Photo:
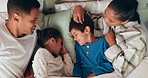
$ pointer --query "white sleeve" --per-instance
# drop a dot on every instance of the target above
(96, 7)
(40, 65)
(129, 52)
(68, 65)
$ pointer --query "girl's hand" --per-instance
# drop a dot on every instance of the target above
(64, 50)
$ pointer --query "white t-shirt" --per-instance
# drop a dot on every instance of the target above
(15, 53)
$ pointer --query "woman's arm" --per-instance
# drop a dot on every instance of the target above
(128, 51)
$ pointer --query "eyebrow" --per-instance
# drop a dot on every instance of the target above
(107, 17)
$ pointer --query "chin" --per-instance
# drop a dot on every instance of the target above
(31, 32)
(81, 44)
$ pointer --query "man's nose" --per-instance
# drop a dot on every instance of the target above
(36, 23)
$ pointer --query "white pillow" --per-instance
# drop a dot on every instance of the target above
(3, 16)
(3, 5)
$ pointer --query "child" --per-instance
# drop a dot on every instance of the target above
(90, 58)
(52, 59)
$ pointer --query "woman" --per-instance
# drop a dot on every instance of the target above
(128, 45)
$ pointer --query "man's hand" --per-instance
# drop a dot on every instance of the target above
(78, 14)
(110, 38)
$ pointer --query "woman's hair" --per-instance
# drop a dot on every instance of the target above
(125, 9)
(87, 22)
(46, 34)
(21, 6)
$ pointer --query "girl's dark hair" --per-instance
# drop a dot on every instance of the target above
(125, 9)
(21, 6)
(87, 22)
(45, 34)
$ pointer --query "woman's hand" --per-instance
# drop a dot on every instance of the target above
(110, 38)
(78, 14)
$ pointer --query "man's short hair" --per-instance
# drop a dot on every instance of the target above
(21, 6)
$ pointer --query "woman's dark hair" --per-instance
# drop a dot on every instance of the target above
(125, 9)
(45, 34)
(21, 6)
(87, 22)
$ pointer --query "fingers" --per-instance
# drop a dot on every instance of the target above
(79, 18)
(78, 15)
(64, 50)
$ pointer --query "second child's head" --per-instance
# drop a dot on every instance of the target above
(82, 32)
(50, 39)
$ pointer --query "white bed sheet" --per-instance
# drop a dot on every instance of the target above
(3, 5)
(3, 16)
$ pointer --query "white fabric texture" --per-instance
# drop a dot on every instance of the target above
(3, 5)
(14, 53)
(3, 17)
(98, 5)
(45, 65)
(131, 40)
(41, 4)
(141, 70)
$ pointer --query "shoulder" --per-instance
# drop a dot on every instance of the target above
(42, 52)
(101, 39)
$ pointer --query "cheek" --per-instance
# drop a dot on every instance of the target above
(82, 40)
(107, 22)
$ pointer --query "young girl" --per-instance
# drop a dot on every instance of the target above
(52, 59)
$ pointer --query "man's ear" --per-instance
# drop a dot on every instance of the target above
(16, 17)
(87, 29)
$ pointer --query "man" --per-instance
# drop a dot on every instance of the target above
(18, 37)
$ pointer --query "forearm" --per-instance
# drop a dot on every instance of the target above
(68, 65)
(125, 57)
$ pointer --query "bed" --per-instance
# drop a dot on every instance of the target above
(51, 6)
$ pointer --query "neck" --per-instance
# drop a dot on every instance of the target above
(91, 39)
(13, 29)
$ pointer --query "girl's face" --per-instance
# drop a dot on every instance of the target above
(111, 19)
(55, 47)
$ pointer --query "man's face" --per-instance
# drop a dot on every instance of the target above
(80, 37)
(29, 22)
(110, 18)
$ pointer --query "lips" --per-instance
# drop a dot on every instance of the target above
(33, 28)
